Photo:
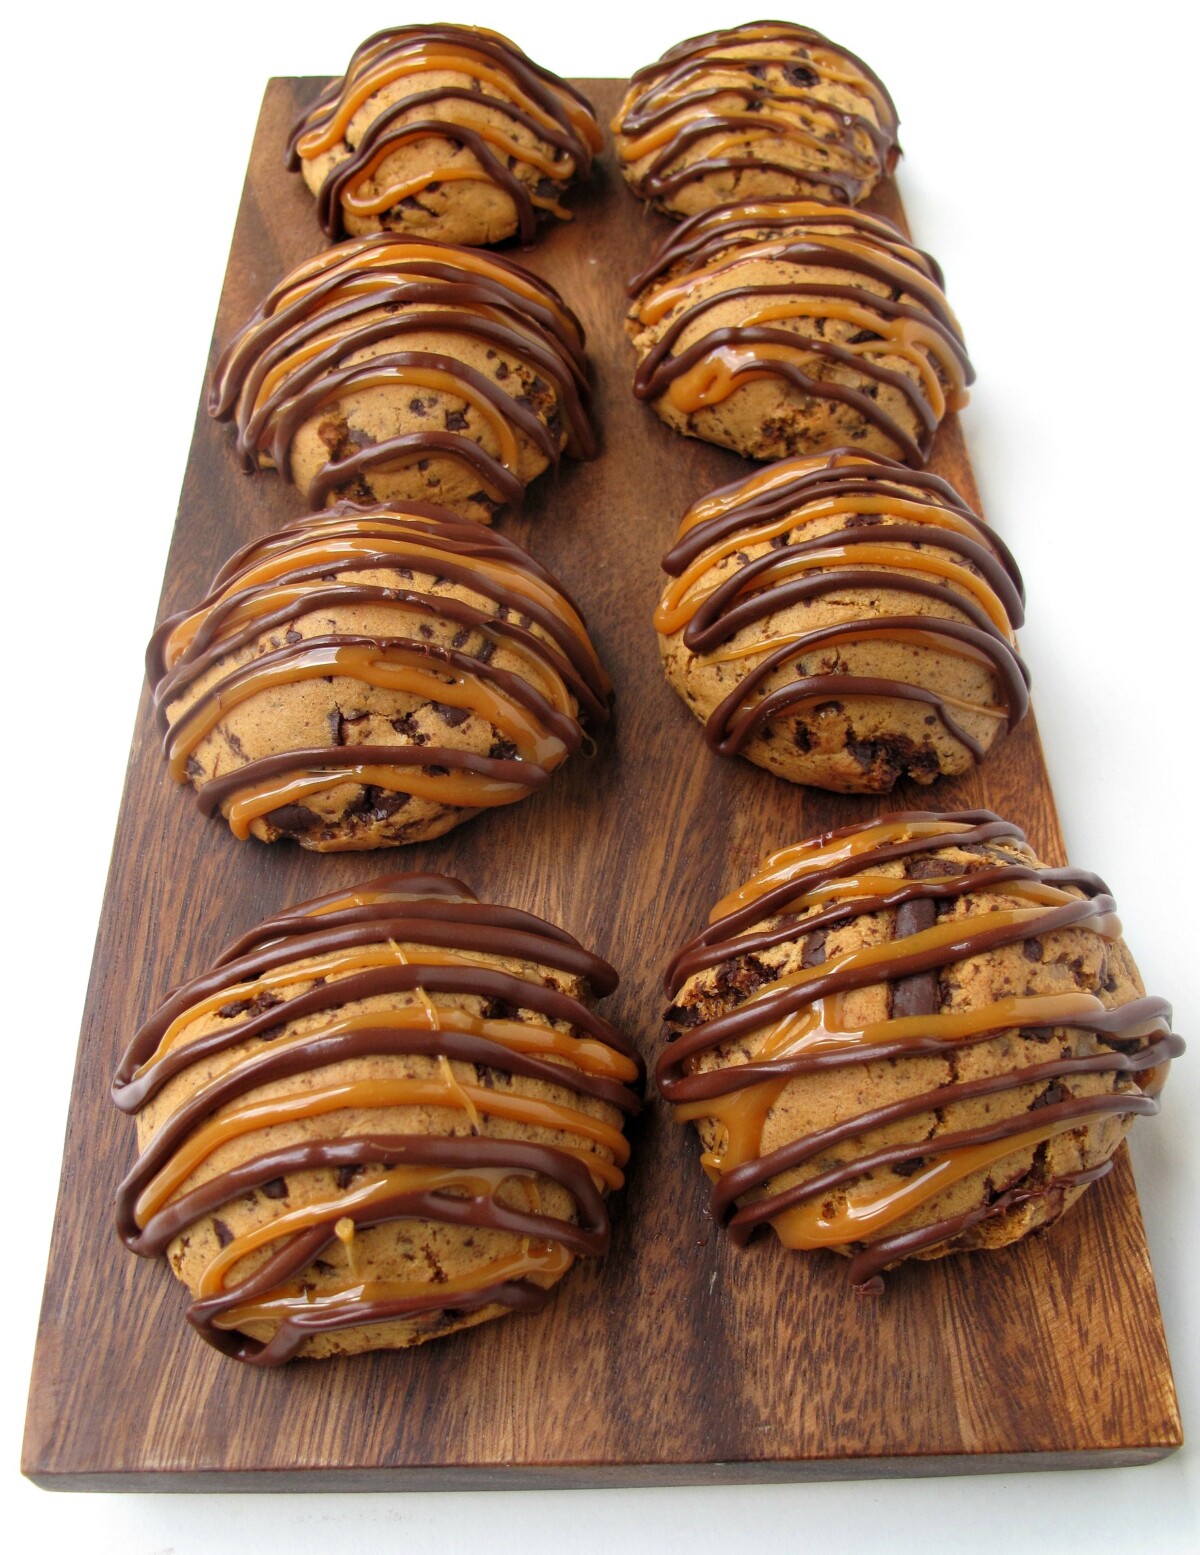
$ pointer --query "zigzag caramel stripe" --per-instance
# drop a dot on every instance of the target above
(294, 357)
(886, 523)
(332, 561)
(290, 985)
(683, 102)
(796, 1026)
(802, 240)
(505, 82)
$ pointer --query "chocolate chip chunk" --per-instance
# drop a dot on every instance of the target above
(407, 725)
(345, 1175)
(455, 421)
(801, 75)
(224, 1234)
(453, 716)
(292, 819)
(265, 1000)
(276, 1188)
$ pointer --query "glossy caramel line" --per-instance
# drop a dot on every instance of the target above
(797, 1023)
(285, 997)
(198, 659)
(505, 82)
(667, 111)
(299, 350)
(876, 534)
(780, 274)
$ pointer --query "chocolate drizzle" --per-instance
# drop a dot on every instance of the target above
(301, 354)
(794, 1025)
(501, 83)
(916, 538)
(766, 108)
(432, 949)
(245, 639)
(836, 304)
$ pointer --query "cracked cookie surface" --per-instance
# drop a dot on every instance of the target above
(388, 1113)
(372, 677)
(910, 1038)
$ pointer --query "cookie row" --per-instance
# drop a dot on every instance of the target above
(393, 1111)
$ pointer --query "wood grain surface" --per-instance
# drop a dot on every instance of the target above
(679, 1359)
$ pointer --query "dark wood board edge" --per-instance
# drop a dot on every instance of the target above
(596, 1476)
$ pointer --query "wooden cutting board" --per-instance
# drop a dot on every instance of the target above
(679, 1359)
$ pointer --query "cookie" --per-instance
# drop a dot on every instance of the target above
(910, 1038)
(765, 111)
(384, 1115)
(794, 327)
(369, 677)
(844, 621)
(389, 370)
(443, 132)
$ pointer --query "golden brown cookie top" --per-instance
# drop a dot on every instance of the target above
(431, 82)
(473, 626)
(811, 282)
(401, 967)
(766, 98)
(858, 956)
(841, 524)
(317, 335)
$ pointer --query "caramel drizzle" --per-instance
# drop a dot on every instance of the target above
(842, 152)
(296, 355)
(289, 984)
(504, 80)
(888, 521)
(921, 330)
(318, 563)
(796, 1024)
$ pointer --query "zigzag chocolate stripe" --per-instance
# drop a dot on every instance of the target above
(406, 935)
(522, 92)
(797, 1026)
(837, 149)
(317, 564)
(800, 240)
(293, 357)
(882, 513)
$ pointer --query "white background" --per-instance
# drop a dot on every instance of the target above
(1051, 166)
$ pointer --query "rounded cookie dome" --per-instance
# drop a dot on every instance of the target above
(768, 110)
(795, 326)
(443, 132)
(370, 677)
(844, 621)
(391, 370)
(386, 1114)
(910, 1038)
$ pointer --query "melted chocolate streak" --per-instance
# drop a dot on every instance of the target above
(700, 57)
(550, 93)
(446, 292)
(409, 908)
(457, 544)
(1133, 1051)
(736, 604)
(659, 368)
